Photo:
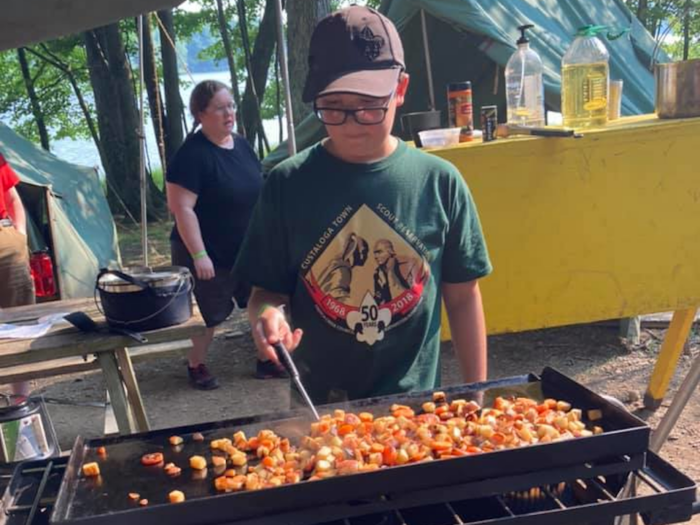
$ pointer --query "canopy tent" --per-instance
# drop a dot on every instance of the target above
(47, 19)
(473, 40)
(67, 212)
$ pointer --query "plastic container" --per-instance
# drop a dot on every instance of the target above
(524, 85)
(585, 79)
(438, 138)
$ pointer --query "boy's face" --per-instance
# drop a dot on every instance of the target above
(353, 137)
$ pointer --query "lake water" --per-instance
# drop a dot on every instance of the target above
(84, 152)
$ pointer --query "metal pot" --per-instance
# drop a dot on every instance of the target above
(155, 278)
(142, 299)
(678, 89)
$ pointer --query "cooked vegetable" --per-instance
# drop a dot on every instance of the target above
(218, 461)
(176, 496)
(134, 496)
(198, 463)
(197, 437)
(91, 470)
(101, 451)
(175, 440)
(143, 502)
(154, 458)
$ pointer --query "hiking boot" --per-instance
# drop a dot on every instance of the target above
(268, 370)
(201, 379)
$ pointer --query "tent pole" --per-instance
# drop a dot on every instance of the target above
(428, 67)
(291, 138)
(142, 160)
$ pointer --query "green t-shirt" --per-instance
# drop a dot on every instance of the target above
(361, 250)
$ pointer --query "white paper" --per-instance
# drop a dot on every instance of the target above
(31, 331)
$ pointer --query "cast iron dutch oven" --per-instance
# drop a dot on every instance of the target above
(143, 299)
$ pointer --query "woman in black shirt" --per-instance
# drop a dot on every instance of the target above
(213, 183)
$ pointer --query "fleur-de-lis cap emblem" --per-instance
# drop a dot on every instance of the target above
(370, 44)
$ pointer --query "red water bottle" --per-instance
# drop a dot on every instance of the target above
(42, 272)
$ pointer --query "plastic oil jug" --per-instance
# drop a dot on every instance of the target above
(585, 80)
(524, 85)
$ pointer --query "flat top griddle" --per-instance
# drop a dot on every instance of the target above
(104, 500)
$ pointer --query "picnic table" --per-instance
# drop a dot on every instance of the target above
(110, 350)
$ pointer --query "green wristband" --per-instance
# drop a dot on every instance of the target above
(199, 255)
(265, 306)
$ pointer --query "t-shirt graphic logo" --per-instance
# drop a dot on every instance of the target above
(363, 276)
(370, 322)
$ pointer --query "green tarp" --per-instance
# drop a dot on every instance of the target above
(68, 213)
(473, 40)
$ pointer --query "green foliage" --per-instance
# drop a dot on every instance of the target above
(62, 113)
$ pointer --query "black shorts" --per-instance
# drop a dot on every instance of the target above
(215, 297)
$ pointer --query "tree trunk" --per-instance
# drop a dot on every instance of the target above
(33, 99)
(642, 12)
(687, 15)
(117, 118)
(301, 20)
(155, 100)
(223, 29)
(258, 69)
(323, 8)
(171, 85)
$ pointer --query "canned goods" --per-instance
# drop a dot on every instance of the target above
(459, 103)
(489, 122)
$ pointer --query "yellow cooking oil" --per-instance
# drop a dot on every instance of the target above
(584, 95)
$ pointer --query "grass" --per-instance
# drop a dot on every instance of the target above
(158, 243)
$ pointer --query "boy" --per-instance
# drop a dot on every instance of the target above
(361, 182)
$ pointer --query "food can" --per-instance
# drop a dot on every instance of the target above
(459, 103)
(489, 122)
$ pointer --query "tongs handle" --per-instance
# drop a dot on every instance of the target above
(286, 360)
(290, 367)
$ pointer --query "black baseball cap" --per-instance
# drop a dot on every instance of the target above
(354, 50)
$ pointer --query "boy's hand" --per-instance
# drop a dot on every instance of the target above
(272, 327)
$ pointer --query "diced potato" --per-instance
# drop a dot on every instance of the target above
(218, 461)
(91, 470)
(597, 430)
(239, 459)
(564, 406)
(197, 436)
(198, 463)
(176, 496)
(175, 440)
(143, 502)
(595, 414)
(322, 465)
(133, 496)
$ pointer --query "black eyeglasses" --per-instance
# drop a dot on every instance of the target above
(363, 116)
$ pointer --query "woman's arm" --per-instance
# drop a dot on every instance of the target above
(181, 203)
(15, 209)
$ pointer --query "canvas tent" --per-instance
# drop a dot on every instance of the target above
(67, 212)
(473, 40)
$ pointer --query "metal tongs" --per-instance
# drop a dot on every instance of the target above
(290, 367)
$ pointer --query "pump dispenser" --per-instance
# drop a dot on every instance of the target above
(524, 85)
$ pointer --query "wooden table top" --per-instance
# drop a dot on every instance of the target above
(65, 340)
